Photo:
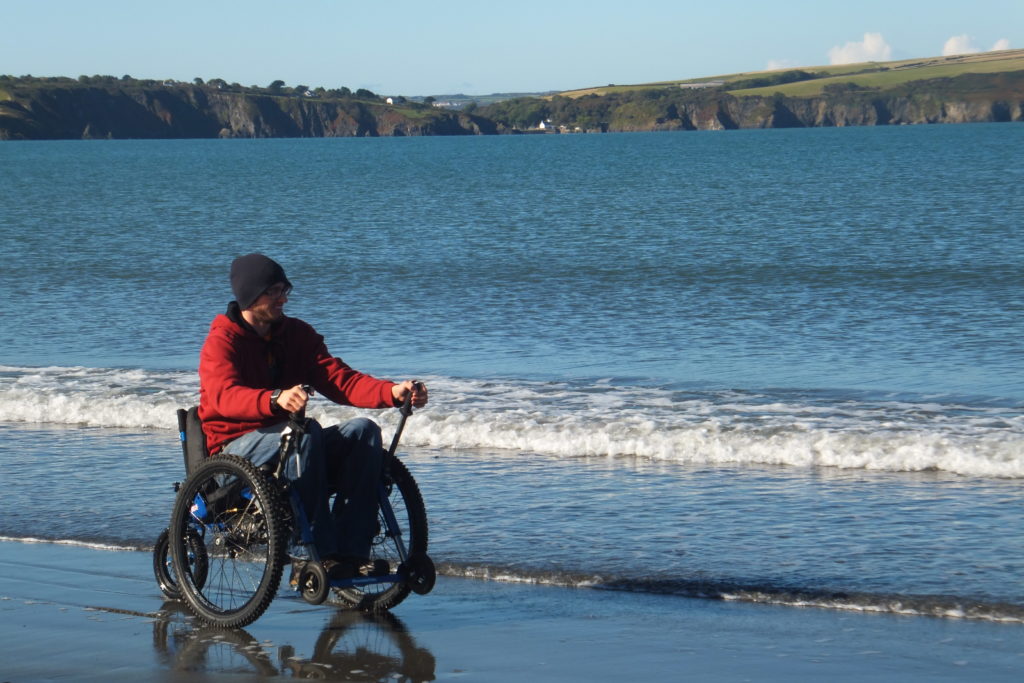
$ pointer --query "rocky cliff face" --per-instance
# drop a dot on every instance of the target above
(193, 112)
(183, 111)
(900, 111)
(727, 112)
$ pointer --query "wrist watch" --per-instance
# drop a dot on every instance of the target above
(273, 399)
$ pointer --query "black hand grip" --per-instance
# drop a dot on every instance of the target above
(406, 408)
(406, 411)
(298, 418)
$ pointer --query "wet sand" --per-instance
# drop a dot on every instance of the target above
(69, 613)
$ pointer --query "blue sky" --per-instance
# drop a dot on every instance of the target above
(421, 48)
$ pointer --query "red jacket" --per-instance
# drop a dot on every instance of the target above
(238, 371)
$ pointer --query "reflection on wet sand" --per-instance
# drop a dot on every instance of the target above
(354, 646)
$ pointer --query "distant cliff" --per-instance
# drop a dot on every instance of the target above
(848, 109)
(964, 99)
(38, 109)
(726, 112)
(105, 107)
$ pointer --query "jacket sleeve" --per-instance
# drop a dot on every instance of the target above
(224, 392)
(341, 384)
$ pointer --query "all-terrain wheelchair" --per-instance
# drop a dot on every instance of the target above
(227, 544)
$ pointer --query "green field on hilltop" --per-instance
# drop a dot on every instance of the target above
(891, 77)
(812, 80)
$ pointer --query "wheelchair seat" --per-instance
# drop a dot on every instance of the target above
(193, 441)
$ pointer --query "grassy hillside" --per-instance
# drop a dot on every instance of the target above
(957, 89)
(814, 79)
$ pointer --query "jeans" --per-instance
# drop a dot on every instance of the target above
(346, 459)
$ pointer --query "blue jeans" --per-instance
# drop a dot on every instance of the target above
(346, 459)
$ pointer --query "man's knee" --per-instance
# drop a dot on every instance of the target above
(362, 430)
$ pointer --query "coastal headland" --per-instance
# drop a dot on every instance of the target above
(987, 87)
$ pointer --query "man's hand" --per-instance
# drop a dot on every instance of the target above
(293, 400)
(418, 389)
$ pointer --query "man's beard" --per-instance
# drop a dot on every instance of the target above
(268, 315)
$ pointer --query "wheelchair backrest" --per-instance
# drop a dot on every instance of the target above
(193, 441)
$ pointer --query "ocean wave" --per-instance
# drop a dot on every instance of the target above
(95, 397)
(595, 419)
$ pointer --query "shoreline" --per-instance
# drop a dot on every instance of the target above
(925, 606)
(80, 614)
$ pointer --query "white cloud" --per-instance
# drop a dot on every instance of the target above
(872, 49)
(776, 64)
(961, 45)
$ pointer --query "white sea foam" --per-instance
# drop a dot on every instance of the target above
(587, 419)
(67, 541)
(99, 397)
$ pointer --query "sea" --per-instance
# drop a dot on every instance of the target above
(773, 366)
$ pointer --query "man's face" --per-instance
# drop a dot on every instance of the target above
(269, 307)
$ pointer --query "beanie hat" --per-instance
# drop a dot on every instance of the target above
(253, 274)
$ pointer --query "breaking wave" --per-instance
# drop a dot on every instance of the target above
(977, 437)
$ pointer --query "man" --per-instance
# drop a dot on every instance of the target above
(251, 371)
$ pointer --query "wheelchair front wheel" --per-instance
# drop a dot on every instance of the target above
(236, 513)
(313, 583)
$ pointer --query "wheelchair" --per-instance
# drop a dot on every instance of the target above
(226, 547)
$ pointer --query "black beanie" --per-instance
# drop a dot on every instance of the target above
(253, 274)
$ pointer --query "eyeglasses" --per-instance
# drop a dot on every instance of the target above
(278, 291)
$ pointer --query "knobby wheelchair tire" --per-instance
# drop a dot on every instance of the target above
(164, 570)
(243, 530)
(411, 513)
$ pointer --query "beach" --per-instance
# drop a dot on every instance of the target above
(82, 614)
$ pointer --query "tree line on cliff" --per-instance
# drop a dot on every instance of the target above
(109, 107)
